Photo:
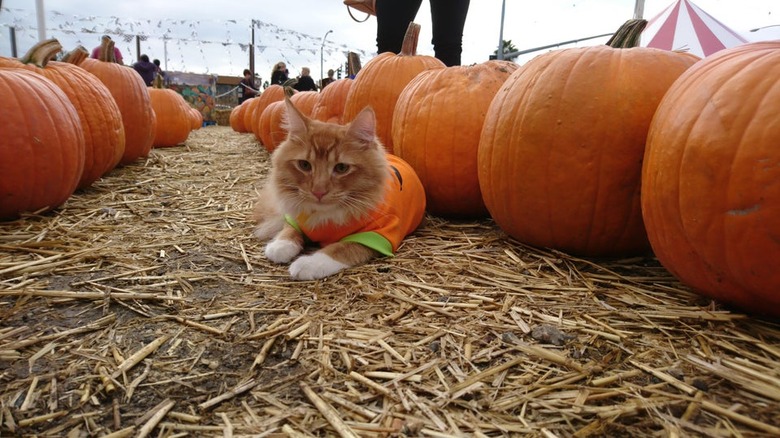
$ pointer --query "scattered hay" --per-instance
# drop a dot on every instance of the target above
(144, 307)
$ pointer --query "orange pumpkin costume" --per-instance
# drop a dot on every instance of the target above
(385, 227)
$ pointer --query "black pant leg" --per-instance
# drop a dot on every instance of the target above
(449, 18)
(392, 19)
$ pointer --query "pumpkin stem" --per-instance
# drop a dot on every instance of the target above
(158, 81)
(628, 34)
(41, 53)
(409, 46)
(76, 55)
(106, 53)
(288, 86)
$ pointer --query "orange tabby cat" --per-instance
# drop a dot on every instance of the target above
(336, 186)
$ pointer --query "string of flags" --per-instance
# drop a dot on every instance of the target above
(198, 46)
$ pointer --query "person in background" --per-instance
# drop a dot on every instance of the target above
(448, 19)
(160, 71)
(305, 82)
(146, 69)
(117, 53)
(329, 79)
(246, 88)
(279, 74)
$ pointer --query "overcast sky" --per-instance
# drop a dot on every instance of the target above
(213, 36)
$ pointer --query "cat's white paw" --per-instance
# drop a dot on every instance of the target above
(315, 266)
(282, 250)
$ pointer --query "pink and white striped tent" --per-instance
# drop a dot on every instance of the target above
(685, 26)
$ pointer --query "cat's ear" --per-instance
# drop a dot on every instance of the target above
(363, 127)
(295, 122)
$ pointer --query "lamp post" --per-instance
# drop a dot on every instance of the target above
(500, 51)
(322, 47)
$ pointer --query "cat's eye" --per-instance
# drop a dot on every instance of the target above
(341, 168)
(304, 165)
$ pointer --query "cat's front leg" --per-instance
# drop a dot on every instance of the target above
(285, 246)
(330, 260)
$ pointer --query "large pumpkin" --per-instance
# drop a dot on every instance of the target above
(132, 98)
(381, 81)
(42, 146)
(330, 106)
(270, 131)
(438, 135)
(100, 119)
(273, 93)
(174, 117)
(711, 178)
(237, 117)
(560, 154)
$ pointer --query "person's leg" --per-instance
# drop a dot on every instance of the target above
(449, 18)
(392, 19)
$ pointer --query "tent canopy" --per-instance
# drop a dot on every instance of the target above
(685, 26)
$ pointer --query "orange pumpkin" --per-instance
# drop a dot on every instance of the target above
(196, 117)
(560, 153)
(330, 106)
(42, 152)
(271, 131)
(382, 80)
(711, 178)
(438, 136)
(257, 104)
(237, 117)
(101, 121)
(173, 116)
(305, 101)
(132, 98)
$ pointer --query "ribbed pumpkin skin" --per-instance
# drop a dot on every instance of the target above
(237, 117)
(381, 81)
(271, 132)
(436, 127)
(101, 121)
(42, 147)
(305, 101)
(132, 98)
(173, 117)
(273, 93)
(196, 117)
(711, 178)
(560, 154)
(330, 106)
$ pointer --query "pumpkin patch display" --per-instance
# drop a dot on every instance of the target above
(101, 121)
(42, 152)
(560, 154)
(711, 178)
(131, 96)
(237, 117)
(381, 81)
(439, 137)
(330, 106)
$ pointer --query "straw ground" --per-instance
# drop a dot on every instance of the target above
(144, 307)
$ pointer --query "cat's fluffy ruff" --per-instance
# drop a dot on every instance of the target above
(322, 195)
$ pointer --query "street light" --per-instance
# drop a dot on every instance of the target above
(321, 49)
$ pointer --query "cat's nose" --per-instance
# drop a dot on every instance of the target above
(319, 194)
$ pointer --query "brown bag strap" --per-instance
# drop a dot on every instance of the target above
(349, 9)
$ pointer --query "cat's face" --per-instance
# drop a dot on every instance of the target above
(329, 172)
